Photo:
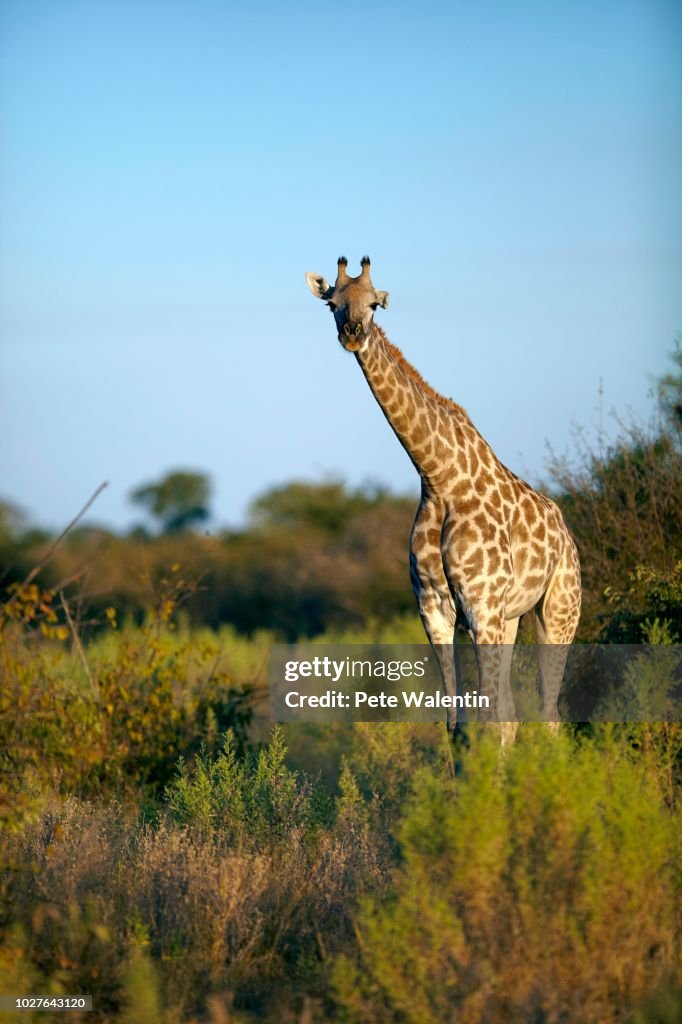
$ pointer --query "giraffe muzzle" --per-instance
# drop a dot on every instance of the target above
(352, 337)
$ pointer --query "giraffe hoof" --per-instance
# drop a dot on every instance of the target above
(508, 733)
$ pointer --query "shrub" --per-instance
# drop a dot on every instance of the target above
(256, 799)
(525, 893)
(622, 500)
(246, 885)
(114, 717)
(647, 610)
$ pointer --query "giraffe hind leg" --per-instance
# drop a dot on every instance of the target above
(555, 623)
(505, 703)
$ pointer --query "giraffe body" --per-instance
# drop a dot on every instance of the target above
(485, 546)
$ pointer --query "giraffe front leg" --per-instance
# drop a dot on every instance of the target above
(434, 600)
(437, 613)
(478, 567)
(488, 634)
(494, 650)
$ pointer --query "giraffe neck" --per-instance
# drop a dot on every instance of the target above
(434, 431)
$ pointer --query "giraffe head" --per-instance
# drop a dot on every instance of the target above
(352, 300)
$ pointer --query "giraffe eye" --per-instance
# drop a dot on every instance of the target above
(332, 306)
(374, 305)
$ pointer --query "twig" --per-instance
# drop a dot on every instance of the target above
(55, 544)
(79, 646)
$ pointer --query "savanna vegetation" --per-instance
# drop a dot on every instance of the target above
(315, 557)
(165, 850)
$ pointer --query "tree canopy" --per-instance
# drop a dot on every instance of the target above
(178, 501)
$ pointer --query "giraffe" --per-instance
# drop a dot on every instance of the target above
(485, 546)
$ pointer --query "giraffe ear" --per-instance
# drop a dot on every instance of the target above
(382, 299)
(318, 286)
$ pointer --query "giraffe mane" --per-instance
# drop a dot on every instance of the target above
(416, 376)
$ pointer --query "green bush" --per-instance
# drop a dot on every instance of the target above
(256, 799)
(525, 892)
(111, 717)
(647, 610)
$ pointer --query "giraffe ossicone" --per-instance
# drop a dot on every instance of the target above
(485, 546)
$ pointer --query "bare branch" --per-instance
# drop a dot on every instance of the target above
(78, 645)
(55, 544)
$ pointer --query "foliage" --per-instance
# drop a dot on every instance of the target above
(115, 717)
(326, 506)
(252, 897)
(322, 557)
(179, 500)
(157, 855)
(319, 557)
(252, 799)
(624, 508)
(669, 390)
(520, 890)
(649, 688)
(648, 609)
(622, 499)
(524, 892)
(300, 567)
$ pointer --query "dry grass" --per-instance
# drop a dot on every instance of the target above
(98, 902)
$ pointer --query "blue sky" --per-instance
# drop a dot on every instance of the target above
(169, 171)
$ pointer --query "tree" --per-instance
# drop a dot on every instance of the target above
(670, 390)
(178, 501)
(12, 523)
(623, 503)
(327, 506)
